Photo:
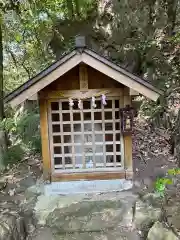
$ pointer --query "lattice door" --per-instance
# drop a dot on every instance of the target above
(87, 139)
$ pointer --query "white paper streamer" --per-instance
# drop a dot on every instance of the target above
(71, 103)
(93, 102)
(103, 97)
(80, 104)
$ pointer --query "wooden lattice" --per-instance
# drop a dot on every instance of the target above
(86, 139)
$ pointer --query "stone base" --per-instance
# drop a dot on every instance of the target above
(109, 235)
(85, 187)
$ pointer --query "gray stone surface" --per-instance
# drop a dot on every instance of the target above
(93, 216)
(91, 213)
(34, 191)
(88, 187)
(110, 235)
(145, 215)
(159, 232)
(42, 234)
(173, 215)
(12, 227)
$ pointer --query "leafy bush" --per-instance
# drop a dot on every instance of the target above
(35, 144)
(13, 154)
(161, 183)
(22, 129)
(28, 130)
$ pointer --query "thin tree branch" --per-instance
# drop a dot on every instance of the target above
(12, 56)
(27, 70)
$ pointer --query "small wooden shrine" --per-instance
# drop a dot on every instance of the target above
(86, 117)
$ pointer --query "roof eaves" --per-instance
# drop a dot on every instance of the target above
(122, 70)
(40, 75)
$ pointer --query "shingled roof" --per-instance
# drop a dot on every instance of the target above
(81, 54)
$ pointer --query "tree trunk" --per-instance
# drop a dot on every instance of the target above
(77, 7)
(172, 14)
(70, 8)
(2, 133)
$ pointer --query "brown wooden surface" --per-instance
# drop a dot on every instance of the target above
(127, 141)
(100, 80)
(72, 80)
(91, 176)
(128, 152)
(45, 139)
(76, 94)
(68, 81)
(83, 77)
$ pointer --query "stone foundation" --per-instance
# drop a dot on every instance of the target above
(80, 187)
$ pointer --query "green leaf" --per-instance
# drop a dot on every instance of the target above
(171, 171)
(18, 37)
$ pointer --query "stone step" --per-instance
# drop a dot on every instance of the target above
(110, 235)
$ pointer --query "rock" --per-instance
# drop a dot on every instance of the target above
(153, 199)
(79, 213)
(25, 183)
(43, 234)
(158, 231)
(29, 220)
(34, 191)
(145, 216)
(110, 235)
(88, 216)
(47, 204)
(173, 215)
(3, 184)
(12, 227)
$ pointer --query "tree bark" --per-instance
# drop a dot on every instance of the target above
(172, 14)
(2, 133)
(70, 8)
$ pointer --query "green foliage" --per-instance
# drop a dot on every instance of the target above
(134, 32)
(35, 143)
(23, 132)
(27, 129)
(27, 126)
(174, 171)
(14, 154)
(161, 183)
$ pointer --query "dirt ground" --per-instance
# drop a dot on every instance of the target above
(151, 153)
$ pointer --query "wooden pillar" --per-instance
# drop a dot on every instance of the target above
(83, 80)
(83, 77)
(45, 139)
(128, 141)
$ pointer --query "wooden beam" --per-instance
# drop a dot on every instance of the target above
(128, 152)
(83, 77)
(127, 143)
(133, 92)
(78, 94)
(45, 139)
(121, 104)
(34, 97)
(91, 176)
